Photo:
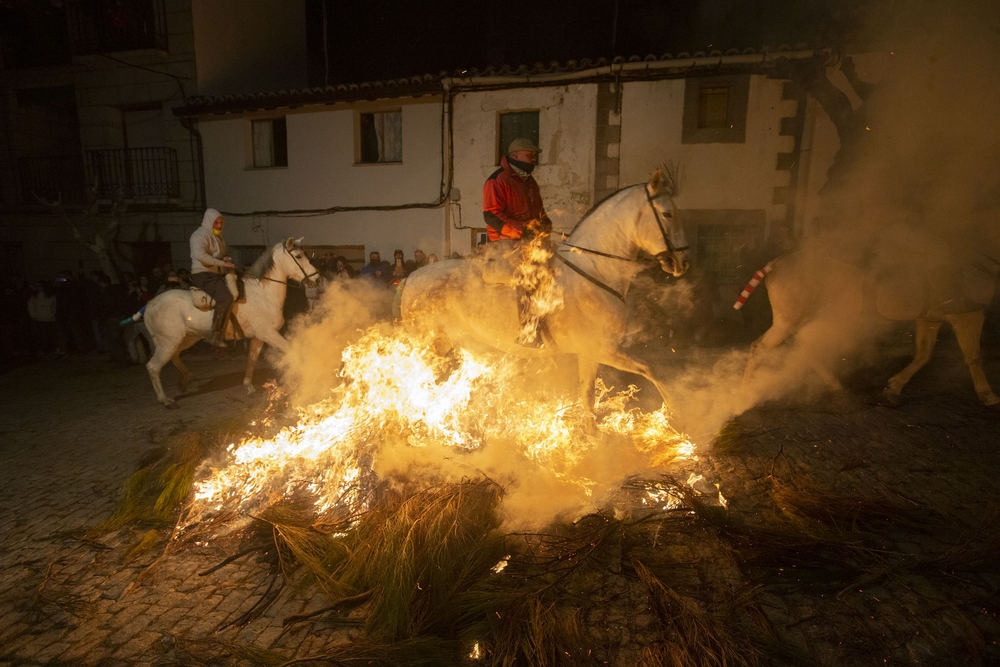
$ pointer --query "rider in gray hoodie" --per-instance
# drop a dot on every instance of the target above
(209, 262)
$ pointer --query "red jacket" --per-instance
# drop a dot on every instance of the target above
(510, 203)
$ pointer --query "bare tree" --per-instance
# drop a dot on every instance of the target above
(851, 124)
(99, 233)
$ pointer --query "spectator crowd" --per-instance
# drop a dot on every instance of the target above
(82, 313)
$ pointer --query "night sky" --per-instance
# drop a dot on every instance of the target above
(382, 39)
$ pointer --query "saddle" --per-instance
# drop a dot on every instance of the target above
(204, 302)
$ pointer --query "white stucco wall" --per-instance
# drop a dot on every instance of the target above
(716, 176)
(565, 172)
(321, 173)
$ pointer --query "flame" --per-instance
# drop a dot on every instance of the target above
(395, 387)
(501, 565)
(542, 294)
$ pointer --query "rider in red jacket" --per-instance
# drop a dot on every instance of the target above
(511, 198)
(512, 207)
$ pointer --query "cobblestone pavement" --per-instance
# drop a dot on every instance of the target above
(71, 432)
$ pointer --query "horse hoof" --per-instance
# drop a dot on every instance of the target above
(892, 398)
(991, 401)
(171, 405)
(251, 390)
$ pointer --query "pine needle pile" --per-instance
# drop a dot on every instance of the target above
(152, 495)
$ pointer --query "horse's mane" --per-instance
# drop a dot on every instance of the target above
(262, 265)
(670, 177)
(598, 205)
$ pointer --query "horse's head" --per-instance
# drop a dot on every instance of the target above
(294, 263)
(662, 234)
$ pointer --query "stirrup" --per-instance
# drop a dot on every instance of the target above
(537, 343)
(217, 339)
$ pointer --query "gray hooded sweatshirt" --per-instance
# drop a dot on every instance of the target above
(207, 249)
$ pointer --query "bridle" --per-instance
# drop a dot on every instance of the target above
(650, 199)
(306, 276)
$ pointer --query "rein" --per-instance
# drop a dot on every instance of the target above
(285, 283)
(606, 288)
(574, 248)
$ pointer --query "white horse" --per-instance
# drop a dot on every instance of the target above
(594, 269)
(175, 323)
(809, 286)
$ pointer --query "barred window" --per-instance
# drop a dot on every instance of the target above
(516, 125)
(723, 249)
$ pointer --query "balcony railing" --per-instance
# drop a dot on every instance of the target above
(105, 26)
(51, 178)
(135, 173)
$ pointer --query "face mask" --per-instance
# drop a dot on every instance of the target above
(217, 232)
(523, 166)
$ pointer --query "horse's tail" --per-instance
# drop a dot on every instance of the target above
(752, 285)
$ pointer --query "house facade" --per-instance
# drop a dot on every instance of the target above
(86, 93)
(223, 106)
(753, 152)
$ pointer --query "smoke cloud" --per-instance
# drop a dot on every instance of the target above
(909, 216)
(916, 197)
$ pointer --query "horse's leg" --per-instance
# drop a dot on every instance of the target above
(623, 362)
(163, 354)
(824, 373)
(926, 338)
(771, 339)
(255, 347)
(587, 371)
(274, 339)
(968, 328)
(182, 369)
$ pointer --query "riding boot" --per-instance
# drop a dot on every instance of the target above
(219, 319)
(534, 338)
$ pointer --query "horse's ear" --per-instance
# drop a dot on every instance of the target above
(289, 243)
(655, 181)
(666, 179)
(299, 241)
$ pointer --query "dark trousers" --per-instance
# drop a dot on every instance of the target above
(214, 284)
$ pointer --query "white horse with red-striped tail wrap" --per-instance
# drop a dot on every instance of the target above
(175, 322)
(810, 286)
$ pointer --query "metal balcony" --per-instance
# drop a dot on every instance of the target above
(106, 26)
(135, 173)
(55, 177)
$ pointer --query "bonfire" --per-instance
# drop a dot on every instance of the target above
(438, 516)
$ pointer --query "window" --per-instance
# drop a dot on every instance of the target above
(381, 137)
(270, 143)
(106, 26)
(516, 125)
(712, 106)
(729, 244)
(715, 110)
